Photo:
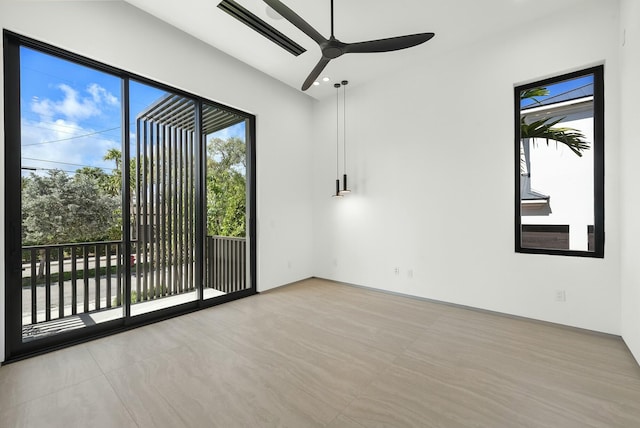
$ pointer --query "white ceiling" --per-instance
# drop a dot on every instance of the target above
(455, 22)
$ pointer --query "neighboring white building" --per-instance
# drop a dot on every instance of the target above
(557, 194)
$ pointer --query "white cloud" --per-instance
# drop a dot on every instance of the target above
(63, 154)
(73, 106)
(100, 94)
(43, 108)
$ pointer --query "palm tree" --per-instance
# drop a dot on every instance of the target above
(114, 183)
(114, 155)
(546, 129)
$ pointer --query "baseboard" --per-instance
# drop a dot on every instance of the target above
(476, 309)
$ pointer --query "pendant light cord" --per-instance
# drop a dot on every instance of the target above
(344, 125)
(337, 86)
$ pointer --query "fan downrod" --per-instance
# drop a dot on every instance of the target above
(333, 48)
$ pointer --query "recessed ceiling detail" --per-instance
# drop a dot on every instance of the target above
(260, 26)
(456, 24)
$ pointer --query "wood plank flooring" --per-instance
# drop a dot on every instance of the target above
(321, 354)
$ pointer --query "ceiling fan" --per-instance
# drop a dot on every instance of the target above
(333, 48)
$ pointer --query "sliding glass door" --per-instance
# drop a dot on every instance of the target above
(225, 141)
(71, 240)
(135, 200)
(163, 199)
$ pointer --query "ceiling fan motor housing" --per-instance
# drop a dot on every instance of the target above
(332, 49)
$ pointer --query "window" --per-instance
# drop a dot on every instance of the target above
(135, 200)
(559, 165)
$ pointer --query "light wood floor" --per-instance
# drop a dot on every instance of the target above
(318, 354)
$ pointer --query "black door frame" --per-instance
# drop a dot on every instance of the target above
(15, 348)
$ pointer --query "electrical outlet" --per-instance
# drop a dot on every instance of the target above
(561, 296)
(396, 270)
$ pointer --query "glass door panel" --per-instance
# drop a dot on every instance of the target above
(163, 199)
(226, 249)
(72, 265)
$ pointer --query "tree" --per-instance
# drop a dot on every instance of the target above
(114, 184)
(226, 187)
(95, 173)
(228, 154)
(113, 187)
(114, 155)
(60, 209)
(546, 129)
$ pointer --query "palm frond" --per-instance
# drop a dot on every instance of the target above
(546, 129)
(533, 93)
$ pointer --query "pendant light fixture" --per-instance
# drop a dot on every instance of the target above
(337, 194)
(345, 188)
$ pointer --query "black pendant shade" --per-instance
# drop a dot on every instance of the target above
(338, 194)
(345, 188)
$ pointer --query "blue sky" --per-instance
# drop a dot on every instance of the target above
(560, 88)
(61, 102)
(71, 115)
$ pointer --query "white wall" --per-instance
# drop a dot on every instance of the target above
(120, 35)
(630, 178)
(431, 168)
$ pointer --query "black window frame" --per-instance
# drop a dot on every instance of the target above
(15, 348)
(598, 160)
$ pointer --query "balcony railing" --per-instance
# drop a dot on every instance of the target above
(66, 280)
(226, 263)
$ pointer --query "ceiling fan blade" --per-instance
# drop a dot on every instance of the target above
(293, 18)
(390, 44)
(315, 73)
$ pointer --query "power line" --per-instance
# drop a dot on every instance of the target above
(33, 168)
(53, 126)
(67, 132)
(73, 164)
(57, 125)
(72, 138)
(71, 82)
